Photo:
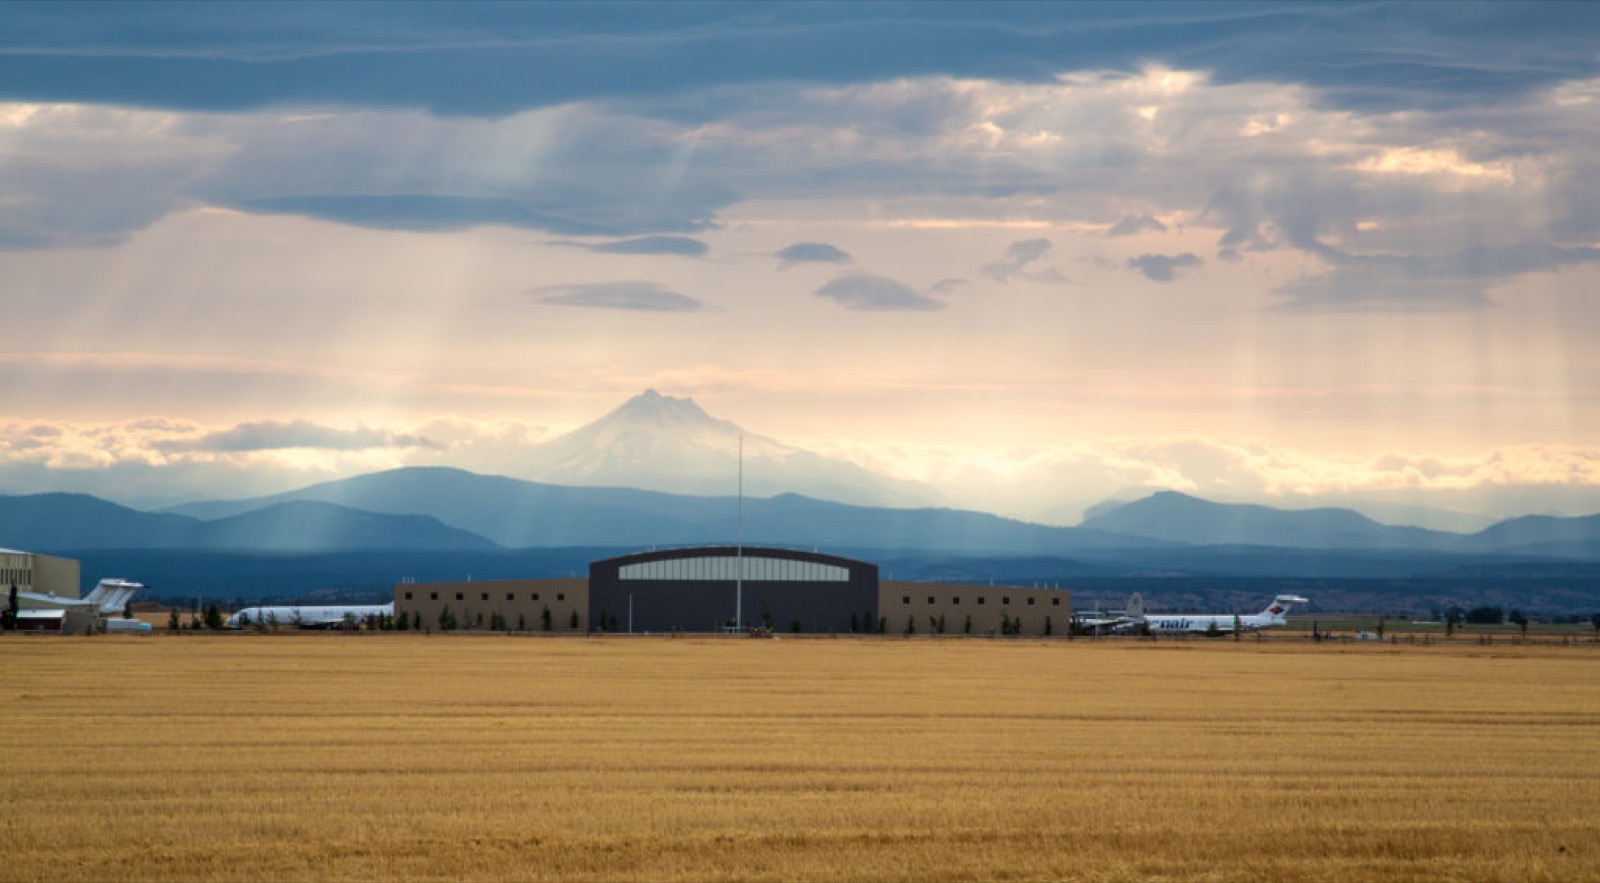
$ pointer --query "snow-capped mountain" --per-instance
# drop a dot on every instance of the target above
(664, 443)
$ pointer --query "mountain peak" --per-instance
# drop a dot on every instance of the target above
(656, 409)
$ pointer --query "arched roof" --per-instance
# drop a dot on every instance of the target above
(726, 563)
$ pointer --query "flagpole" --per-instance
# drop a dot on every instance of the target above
(738, 577)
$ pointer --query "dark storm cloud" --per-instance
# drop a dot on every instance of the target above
(810, 253)
(492, 58)
(648, 297)
(859, 291)
(272, 436)
(1162, 267)
(682, 246)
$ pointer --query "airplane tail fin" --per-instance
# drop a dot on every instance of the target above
(1280, 606)
(1136, 606)
(111, 596)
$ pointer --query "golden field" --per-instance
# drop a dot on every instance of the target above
(387, 756)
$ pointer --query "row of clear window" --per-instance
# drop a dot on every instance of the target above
(1005, 600)
(484, 596)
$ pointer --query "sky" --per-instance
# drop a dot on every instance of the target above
(1036, 255)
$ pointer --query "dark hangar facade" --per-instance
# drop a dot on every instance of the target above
(711, 588)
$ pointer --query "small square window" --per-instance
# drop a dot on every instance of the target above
(535, 596)
(408, 596)
(980, 599)
(433, 596)
(561, 596)
(511, 596)
(1055, 602)
(460, 597)
(1006, 602)
(955, 599)
(485, 597)
(930, 599)
(1030, 602)
(905, 599)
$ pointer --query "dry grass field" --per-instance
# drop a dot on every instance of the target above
(378, 757)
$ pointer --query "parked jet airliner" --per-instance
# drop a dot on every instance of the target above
(1135, 619)
(308, 617)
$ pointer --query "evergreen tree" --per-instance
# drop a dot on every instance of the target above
(967, 629)
(1047, 626)
(574, 621)
(447, 620)
(213, 618)
(911, 625)
(172, 620)
(855, 624)
(546, 619)
(522, 622)
(1520, 621)
(12, 607)
(403, 623)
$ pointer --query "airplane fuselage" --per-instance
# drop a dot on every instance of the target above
(1205, 623)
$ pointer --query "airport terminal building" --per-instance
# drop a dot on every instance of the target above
(711, 588)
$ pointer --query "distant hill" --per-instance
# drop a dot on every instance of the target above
(1180, 518)
(525, 514)
(306, 525)
(42, 522)
(1542, 535)
(46, 522)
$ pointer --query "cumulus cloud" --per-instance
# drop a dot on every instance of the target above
(272, 436)
(1134, 224)
(649, 297)
(1164, 268)
(1019, 263)
(810, 253)
(870, 293)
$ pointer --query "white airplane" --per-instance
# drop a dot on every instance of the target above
(109, 597)
(1135, 619)
(317, 617)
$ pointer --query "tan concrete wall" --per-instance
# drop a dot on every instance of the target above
(474, 603)
(16, 569)
(924, 603)
(57, 576)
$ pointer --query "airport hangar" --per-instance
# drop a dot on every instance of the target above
(694, 590)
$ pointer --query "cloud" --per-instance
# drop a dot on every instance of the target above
(863, 292)
(418, 212)
(1133, 224)
(945, 286)
(1163, 268)
(490, 61)
(648, 297)
(810, 253)
(668, 245)
(1018, 261)
(1454, 281)
(272, 436)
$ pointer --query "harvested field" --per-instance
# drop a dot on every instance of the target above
(378, 757)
